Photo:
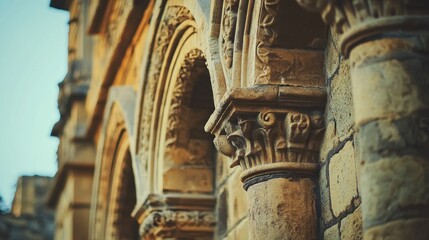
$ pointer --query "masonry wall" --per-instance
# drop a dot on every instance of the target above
(340, 212)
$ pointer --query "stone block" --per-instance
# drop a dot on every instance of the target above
(330, 140)
(351, 226)
(342, 179)
(325, 201)
(189, 179)
(340, 106)
(394, 186)
(332, 58)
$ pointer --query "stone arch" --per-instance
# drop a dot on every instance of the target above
(114, 192)
(174, 149)
(176, 27)
(185, 148)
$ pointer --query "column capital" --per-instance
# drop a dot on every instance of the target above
(276, 132)
(361, 20)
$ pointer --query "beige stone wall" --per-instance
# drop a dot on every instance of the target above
(340, 210)
(231, 199)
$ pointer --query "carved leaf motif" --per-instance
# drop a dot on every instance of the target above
(275, 137)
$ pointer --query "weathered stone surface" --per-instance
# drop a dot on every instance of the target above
(325, 196)
(332, 233)
(398, 76)
(351, 226)
(282, 208)
(332, 57)
(330, 140)
(240, 231)
(341, 102)
(237, 199)
(342, 179)
(414, 228)
(395, 187)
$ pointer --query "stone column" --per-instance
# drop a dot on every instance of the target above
(277, 148)
(388, 44)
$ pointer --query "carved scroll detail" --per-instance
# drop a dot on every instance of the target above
(272, 137)
(269, 34)
(229, 22)
(166, 223)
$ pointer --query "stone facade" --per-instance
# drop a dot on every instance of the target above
(252, 119)
(28, 218)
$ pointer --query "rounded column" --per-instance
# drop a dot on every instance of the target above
(388, 46)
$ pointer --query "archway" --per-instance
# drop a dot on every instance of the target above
(176, 152)
(114, 195)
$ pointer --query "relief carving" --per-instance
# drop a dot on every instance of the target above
(174, 16)
(166, 224)
(268, 36)
(180, 96)
(272, 137)
(229, 22)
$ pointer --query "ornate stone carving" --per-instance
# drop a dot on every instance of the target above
(268, 36)
(181, 95)
(174, 16)
(361, 15)
(272, 137)
(168, 223)
(229, 22)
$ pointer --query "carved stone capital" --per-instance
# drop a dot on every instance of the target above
(271, 137)
(361, 20)
(270, 142)
(167, 224)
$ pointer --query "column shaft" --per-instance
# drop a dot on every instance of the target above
(282, 209)
(390, 80)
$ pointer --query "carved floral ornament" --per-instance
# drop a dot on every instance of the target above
(273, 141)
(229, 22)
(167, 223)
(360, 19)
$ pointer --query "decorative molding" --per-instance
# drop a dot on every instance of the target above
(181, 95)
(229, 23)
(360, 19)
(173, 17)
(168, 223)
(268, 19)
(176, 214)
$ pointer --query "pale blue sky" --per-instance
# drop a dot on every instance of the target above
(33, 59)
